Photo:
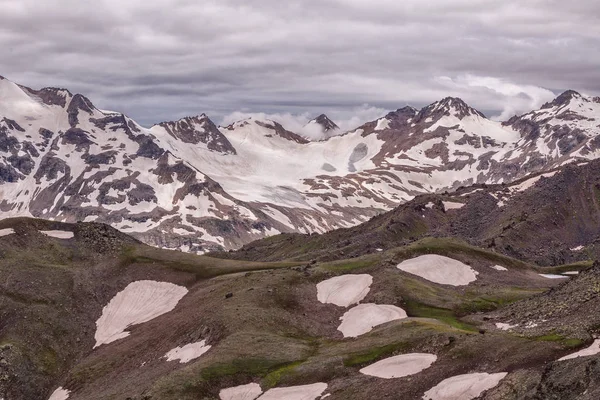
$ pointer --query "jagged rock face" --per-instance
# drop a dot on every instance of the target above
(191, 185)
(197, 130)
(282, 132)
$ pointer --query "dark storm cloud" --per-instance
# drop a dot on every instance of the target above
(163, 59)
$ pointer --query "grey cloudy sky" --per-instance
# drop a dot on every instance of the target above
(352, 59)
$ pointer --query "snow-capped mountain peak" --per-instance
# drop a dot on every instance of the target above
(197, 130)
(564, 99)
(449, 107)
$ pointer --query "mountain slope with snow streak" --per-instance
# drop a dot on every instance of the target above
(193, 186)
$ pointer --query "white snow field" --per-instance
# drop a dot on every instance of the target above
(59, 234)
(245, 392)
(344, 290)
(59, 394)
(305, 392)
(499, 268)
(6, 232)
(571, 273)
(451, 205)
(590, 351)
(400, 366)
(188, 352)
(553, 276)
(505, 327)
(139, 302)
(530, 182)
(439, 269)
(464, 387)
(364, 317)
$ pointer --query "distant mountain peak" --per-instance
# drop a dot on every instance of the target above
(563, 99)
(448, 106)
(326, 123)
(404, 112)
(199, 129)
(459, 106)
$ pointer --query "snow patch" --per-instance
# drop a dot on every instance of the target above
(344, 290)
(59, 234)
(181, 231)
(553, 276)
(590, 351)
(505, 327)
(382, 124)
(139, 302)
(439, 269)
(530, 182)
(6, 232)
(245, 392)
(571, 273)
(305, 392)
(451, 205)
(578, 248)
(464, 387)
(400, 366)
(60, 394)
(499, 268)
(188, 352)
(364, 317)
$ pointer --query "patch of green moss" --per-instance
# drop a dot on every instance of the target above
(248, 366)
(577, 266)
(488, 303)
(274, 377)
(373, 354)
(416, 309)
(553, 337)
(572, 342)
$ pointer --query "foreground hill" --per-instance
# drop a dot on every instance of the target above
(417, 303)
(194, 186)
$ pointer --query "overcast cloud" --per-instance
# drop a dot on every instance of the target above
(352, 59)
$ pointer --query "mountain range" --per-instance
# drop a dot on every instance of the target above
(195, 186)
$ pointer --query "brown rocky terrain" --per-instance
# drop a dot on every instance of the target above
(258, 308)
